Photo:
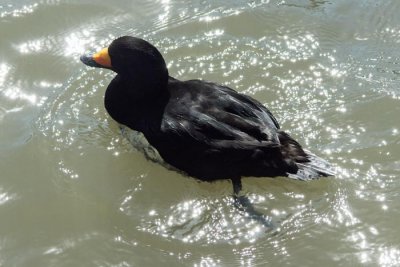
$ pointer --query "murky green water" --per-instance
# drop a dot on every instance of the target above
(73, 191)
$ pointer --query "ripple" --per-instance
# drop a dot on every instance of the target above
(215, 220)
(204, 221)
(18, 12)
(70, 115)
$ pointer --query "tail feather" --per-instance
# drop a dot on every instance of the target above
(315, 168)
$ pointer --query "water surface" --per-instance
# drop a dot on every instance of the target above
(74, 192)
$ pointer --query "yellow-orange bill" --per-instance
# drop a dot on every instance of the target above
(103, 58)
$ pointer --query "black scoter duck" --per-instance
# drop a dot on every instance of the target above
(207, 130)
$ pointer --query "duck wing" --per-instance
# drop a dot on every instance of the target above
(213, 113)
(210, 131)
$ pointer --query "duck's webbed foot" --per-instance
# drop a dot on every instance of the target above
(243, 204)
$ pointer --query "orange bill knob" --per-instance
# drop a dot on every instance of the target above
(103, 58)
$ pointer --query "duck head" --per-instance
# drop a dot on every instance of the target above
(135, 60)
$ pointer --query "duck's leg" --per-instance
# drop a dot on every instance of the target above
(237, 186)
(244, 204)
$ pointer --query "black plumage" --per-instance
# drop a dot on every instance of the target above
(207, 130)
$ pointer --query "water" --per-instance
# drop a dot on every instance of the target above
(74, 192)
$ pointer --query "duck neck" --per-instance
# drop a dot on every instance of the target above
(136, 104)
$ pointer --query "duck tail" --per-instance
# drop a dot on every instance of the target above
(305, 165)
(314, 168)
